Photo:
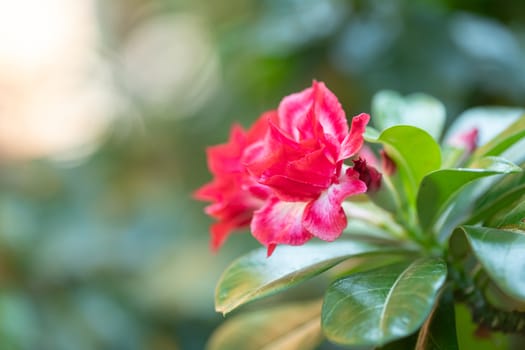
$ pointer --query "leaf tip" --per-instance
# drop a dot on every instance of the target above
(222, 310)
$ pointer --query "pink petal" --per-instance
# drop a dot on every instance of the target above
(388, 165)
(293, 111)
(279, 222)
(324, 217)
(467, 140)
(328, 112)
(367, 154)
(354, 140)
(312, 112)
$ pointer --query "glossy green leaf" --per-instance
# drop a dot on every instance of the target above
(415, 153)
(498, 198)
(513, 219)
(286, 327)
(439, 187)
(254, 275)
(423, 111)
(504, 140)
(439, 330)
(501, 253)
(378, 306)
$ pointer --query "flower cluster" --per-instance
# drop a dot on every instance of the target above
(285, 176)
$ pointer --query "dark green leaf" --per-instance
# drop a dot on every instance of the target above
(501, 253)
(467, 337)
(286, 327)
(439, 187)
(254, 275)
(382, 305)
(513, 219)
(439, 331)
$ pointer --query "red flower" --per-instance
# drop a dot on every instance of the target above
(234, 193)
(285, 176)
(301, 160)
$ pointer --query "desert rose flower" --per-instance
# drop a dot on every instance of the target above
(285, 177)
(301, 161)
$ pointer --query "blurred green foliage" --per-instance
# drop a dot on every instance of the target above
(110, 251)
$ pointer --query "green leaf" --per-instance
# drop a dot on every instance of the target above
(423, 111)
(254, 275)
(504, 140)
(501, 253)
(415, 153)
(439, 330)
(382, 305)
(513, 219)
(467, 338)
(286, 327)
(440, 186)
(498, 198)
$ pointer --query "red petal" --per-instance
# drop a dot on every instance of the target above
(280, 222)
(354, 140)
(271, 156)
(260, 127)
(302, 169)
(314, 168)
(271, 248)
(224, 158)
(324, 217)
(219, 233)
(207, 192)
(291, 190)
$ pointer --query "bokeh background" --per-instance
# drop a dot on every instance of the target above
(106, 108)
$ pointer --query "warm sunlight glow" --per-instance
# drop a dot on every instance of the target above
(54, 86)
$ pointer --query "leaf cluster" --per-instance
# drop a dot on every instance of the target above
(446, 230)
